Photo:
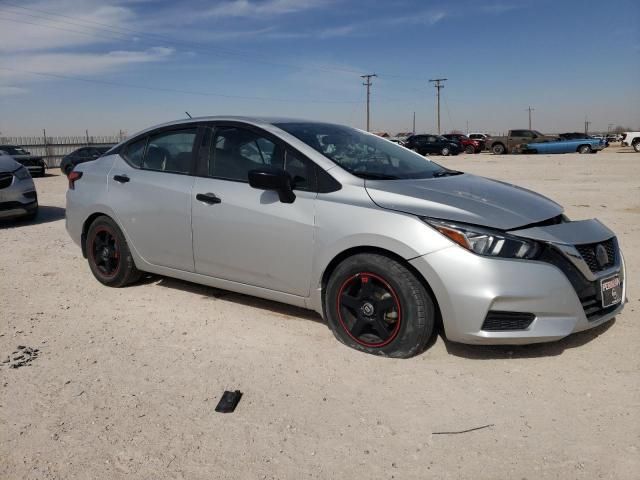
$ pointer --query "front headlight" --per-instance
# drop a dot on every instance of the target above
(487, 242)
(22, 173)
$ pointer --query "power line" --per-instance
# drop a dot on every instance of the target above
(438, 84)
(173, 90)
(367, 83)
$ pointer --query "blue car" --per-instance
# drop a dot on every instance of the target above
(580, 145)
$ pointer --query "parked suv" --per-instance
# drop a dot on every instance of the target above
(377, 239)
(432, 144)
(18, 197)
(33, 163)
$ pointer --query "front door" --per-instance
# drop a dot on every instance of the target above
(247, 235)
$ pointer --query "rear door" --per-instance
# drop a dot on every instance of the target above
(247, 235)
(150, 188)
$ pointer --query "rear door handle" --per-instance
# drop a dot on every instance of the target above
(209, 198)
(121, 178)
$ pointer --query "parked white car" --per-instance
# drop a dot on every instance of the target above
(631, 139)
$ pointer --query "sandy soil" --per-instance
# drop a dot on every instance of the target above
(125, 381)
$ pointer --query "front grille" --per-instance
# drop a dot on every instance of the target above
(6, 179)
(589, 254)
(31, 162)
(588, 291)
(507, 321)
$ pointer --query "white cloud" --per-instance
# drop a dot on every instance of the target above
(28, 30)
(24, 69)
(247, 8)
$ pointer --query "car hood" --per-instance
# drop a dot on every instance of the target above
(464, 198)
(8, 164)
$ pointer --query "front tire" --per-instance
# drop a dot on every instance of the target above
(469, 149)
(376, 305)
(108, 254)
(636, 146)
(445, 151)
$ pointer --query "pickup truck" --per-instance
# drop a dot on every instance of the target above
(631, 139)
(513, 142)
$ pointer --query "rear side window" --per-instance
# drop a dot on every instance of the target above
(135, 151)
(170, 151)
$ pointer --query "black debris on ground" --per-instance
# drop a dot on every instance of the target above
(22, 356)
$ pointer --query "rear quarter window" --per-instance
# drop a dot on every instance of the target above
(134, 152)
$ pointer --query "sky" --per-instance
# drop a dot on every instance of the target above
(108, 65)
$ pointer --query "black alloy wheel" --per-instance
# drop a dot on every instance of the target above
(105, 252)
(369, 310)
(108, 254)
(378, 305)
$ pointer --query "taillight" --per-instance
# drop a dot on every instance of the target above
(73, 177)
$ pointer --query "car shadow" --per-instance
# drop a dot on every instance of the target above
(534, 350)
(215, 293)
(46, 214)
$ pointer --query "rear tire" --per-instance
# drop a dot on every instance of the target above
(498, 149)
(375, 304)
(108, 254)
(445, 151)
(584, 149)
(636, 146)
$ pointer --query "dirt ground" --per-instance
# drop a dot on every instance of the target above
(125, 381)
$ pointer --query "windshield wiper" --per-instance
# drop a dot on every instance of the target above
(375, 176)
(447, 173)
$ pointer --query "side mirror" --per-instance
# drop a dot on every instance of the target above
(273, 179)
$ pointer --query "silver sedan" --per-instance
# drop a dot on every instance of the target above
(377, 239)
(18, 197)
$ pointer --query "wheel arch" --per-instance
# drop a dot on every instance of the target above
(340, 257)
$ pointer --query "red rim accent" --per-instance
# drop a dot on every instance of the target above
(116, 253)
(365, 278)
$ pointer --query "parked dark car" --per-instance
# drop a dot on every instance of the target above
(34, 163)
(432, 144)
(468, 145)
(81, 155)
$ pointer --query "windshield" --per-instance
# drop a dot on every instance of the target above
(363, 154)
(538, 133)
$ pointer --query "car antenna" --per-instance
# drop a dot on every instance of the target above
(188, 114)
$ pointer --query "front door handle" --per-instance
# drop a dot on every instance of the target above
(209, 198)
(121, 178)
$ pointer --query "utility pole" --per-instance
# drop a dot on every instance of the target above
(414, 123)
(438, 83)
(586, 125)
(530, 110)
(367, 83)
(467, 127)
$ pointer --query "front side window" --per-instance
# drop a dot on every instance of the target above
(171, 151)
(236, 151)
(362, 154)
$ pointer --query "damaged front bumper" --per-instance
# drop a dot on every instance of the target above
(508, 301)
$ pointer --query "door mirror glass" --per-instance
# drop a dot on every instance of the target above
(273, 179)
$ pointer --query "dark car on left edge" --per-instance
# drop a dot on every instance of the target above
(432, 144)
(81, 155)
(33, 163)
